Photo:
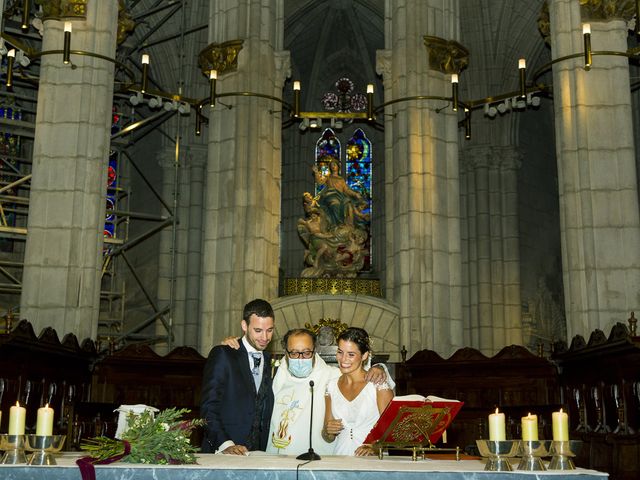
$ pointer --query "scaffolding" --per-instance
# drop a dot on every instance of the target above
(15, 174)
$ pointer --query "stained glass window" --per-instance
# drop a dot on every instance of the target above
(327, 147)
(358, 172)
(359, 165)
(112, 184)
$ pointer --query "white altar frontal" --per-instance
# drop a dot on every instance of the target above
(268, 467)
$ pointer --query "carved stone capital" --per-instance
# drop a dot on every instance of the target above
(383, 64)
(283, 65)
(446, 56)
(222, 57)
(590, 10)
(603, 10)
(56, 9)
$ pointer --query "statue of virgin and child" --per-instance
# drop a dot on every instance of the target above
(335, 228)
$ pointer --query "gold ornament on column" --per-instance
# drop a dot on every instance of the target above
(598, 10)
(126, 24)
(57, 9)
(221, 57)
(450, 58)
(446, 56)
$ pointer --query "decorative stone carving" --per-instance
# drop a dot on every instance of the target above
(383, 64)
(603, 10)
(446, 56)
(327, 330)
(283, 64)
(222, 57)
(549, 323)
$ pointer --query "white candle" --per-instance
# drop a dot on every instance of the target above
(560, 424)
(530, 428)
(497, 431)
(44, 424)
(17, 416)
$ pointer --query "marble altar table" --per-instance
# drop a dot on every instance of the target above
(273, 467)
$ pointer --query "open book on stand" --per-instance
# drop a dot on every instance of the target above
(413, 420)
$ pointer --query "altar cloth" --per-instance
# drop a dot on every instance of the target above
(274, 467)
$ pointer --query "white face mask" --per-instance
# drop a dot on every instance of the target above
(300, 367)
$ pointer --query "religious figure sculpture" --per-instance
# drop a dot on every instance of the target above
(335, 228)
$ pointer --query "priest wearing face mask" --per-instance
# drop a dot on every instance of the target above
(289, 429)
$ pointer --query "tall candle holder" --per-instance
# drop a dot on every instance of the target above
(497, 453)
(561, 453)
(13, 447)
(43, 447)
(532, 452)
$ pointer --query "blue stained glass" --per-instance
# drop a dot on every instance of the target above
(111, 206)
(327, 147)
(109, 230)
(112, 172)
(111, 200)
(358, 176)
(357, 171)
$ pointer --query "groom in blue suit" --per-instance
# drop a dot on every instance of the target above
(237, 398)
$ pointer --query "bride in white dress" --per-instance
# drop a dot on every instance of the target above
(353, 405)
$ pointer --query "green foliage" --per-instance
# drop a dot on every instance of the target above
(161, 440)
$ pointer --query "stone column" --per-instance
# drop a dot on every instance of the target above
(61, 281)
(491, 259)
(421, 177)
(170, 264)
(196, 163)
(599, 218)
(242, 205)
(187, 245)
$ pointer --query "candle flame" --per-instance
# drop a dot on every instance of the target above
(46, 406)
(561, 410)
(17, 404)
(496, 410)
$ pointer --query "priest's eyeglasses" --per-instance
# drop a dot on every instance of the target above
(303, 354)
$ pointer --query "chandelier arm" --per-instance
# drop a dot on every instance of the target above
(547, 66)
(121, 65)
(199, 104)
(380, 108)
